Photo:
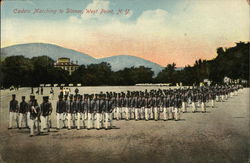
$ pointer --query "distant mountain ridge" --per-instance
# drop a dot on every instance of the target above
(118, 62)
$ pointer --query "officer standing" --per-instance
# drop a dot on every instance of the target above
(23, 112)
(34, 119)
(13, 109)
(46, 110)
(60, 111)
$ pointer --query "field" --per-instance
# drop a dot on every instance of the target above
(220, 135)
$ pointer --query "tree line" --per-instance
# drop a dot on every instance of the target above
(232, 62)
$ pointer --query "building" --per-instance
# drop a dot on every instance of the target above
(65, 64)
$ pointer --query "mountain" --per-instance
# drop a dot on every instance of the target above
(53, 51)
(118, 62)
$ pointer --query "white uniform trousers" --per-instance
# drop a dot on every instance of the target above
(176, 114)
(71, 116)
(89, 125)
(151, 113)
(32, 124)
(170, 112)
(23, 119)
(217, 98)
(13, 116)
(118, 113)
(44, 123)
(165, 114)
(142, 113)
(60, 117)
(97, 120)
(110, 120)
(127, 114)
(203, 107)
(184, 107)
(156, 113)
(106, 120)
(79, 118)
(193, 107)
(212, 103)
(147, 113)
(136, 113)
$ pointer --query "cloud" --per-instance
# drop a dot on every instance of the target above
(157, 35)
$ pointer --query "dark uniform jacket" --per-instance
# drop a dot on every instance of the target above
(46, 108)
(34, 109)
(70, 108)
(61, 106)
(13, 106)
(23, 107)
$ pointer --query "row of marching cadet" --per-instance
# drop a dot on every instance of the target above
(99, 110)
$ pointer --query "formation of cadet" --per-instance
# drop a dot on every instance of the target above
(98, 110)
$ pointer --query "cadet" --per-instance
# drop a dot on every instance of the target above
(98, 109)
(91, 104)
(193, 99)
(165, 106)
(171, 106)
(13, 109)
(127, 102)
(137, 107)
(107, 105)
(23, 112)
(60, 112)
(46, 110)
(34, 119)
(85, 110)
(155, 107)
(79, 111)
(118, 108)
(70, 111)
(184, 101)
(177, 105)
(203, 101)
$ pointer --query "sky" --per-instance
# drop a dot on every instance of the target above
(161, 31)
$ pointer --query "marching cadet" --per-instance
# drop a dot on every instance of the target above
(60, 112)
(184, 101)
(137, 107)
(127, 102)
(85, 110)
(193, 99)
(142, 106)
(159, 106)
(145, 103)
(89, 112)
(177, 105)
(79, 111)
(108, 108)
(151, 109)
(51, 93)
(203, 102)
(118, 109)
(23, 113)
(70, 111)
(46, 110)
(13, 109)
(123, 105)
(34, 119)
(98, 109)
(165, 105)
(171, 106)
